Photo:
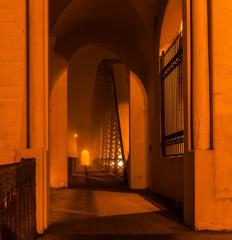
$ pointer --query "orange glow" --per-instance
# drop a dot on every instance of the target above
(85, 158)
(181, 27)
(120, 163)
(138, 133)
(47, 91)
(171, 23)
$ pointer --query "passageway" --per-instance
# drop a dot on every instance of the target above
(100, 204)
(98, 207)
(115, 119)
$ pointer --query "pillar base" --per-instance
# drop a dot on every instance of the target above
(199, 197)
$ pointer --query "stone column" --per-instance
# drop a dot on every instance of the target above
(200, 75)
(38, 98)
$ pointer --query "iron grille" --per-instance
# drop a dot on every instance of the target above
(18, 200)
(172, 99)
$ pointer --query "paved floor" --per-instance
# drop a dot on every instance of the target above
(100, 207)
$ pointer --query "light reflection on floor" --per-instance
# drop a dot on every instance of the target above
(99, 204)
(105, 203)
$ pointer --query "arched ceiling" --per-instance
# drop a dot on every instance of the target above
(97, 14)
(56, 7)
(126, 25)
(73, 10)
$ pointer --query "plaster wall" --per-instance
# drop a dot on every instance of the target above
(13, 79)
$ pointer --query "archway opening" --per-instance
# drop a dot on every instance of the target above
(85, 158)
(107, 110)
(106, 114)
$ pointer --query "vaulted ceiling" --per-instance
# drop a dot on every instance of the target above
(127, 26)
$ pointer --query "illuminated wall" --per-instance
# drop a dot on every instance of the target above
(138, 134)
(13, 80)
(58, 132)
(213, 167)
(58, 125)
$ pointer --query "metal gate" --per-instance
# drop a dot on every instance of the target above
(18, 200)
(172, 99)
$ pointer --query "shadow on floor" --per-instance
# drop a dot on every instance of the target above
(140, 223)
(192, 236)
(100, 206)
(97, 180)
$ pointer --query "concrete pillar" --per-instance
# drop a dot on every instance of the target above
(198, 164)
(200, 75)
(58, 147)
(38, 98)
(138, 134)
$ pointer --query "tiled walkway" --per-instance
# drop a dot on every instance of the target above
(101, 207)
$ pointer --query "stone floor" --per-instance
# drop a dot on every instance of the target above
(100, 207)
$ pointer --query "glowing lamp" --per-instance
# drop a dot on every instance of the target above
(120, 163)
(76, 135)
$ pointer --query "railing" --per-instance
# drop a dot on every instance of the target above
(172, 101)
(17, 201)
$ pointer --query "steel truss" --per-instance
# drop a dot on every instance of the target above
(107, 121)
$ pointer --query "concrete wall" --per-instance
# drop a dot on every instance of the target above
(13, 79)
(213, 168)
(168, 178)
(59, 133)
(222, 95)
(58, 126)
(138, 134)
